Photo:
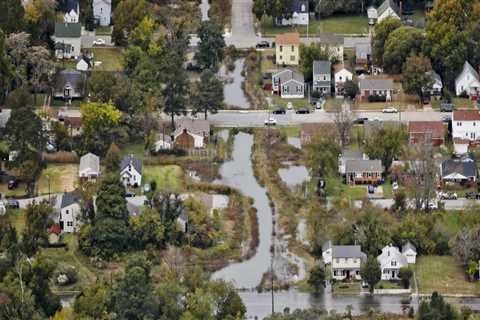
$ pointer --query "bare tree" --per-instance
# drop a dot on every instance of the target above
(343, 120)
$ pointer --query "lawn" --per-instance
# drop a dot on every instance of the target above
(111, 58)
(293, 132)
(166, 177)
(138, 150)
(443, 274)
(388, 285)
(347, 25)
(63, 177)
(277, 101)
(19, 191)
(103, 31)
(459, 103)
(346, 288)
(17, 219)
(335, 186)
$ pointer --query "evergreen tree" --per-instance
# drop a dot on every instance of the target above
(208, 94)
(371, 272)
(211, 46)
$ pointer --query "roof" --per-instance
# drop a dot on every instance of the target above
(288, 74)
(135, 203)
(388, 4)
(75, 79)
(68, 30)
(85, 58)
(339, 67)
(297, 6)
(196, 126)
(288, 38)
(4, 116)
(331, 39)
(70, 5)
(327, 245)
(390, 253)
(466, 115)
(131, 160)
(467, 67)
(435, 127)
(90, 161)
(69, 198)
(363, 166)
(362, 50)
(408, 246)
(376, 84)
(347, 252)
(322, 67)
(466, 168)
(352, 154)
(435, 76)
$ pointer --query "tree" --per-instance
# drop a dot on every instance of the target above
(40, 19)
(208, 94)
(400, 201)
(211, 46)
(126, 16)
(351, 89)
(40, 65)
(112, 159)
(323, 154)
(170, 207)
(17, 45)
(417, 75)
(226, 301)
(309, 54)
(436, 309)
(385, 144)
(93, 301)
(6, 67)
(465, 245)
(405, 274)
(381, 33)
(401, 43)
(371, 272)
(11, 15)
(35, 232)
(147, 230)
(110, 234)
(316, 278)
(16, 303)
(102, 86)
(372, 231)
(343, 120)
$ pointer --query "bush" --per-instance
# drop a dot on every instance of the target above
(69, 275)
(175, 152)
(464, 94)
(377, 98)
(405, 275)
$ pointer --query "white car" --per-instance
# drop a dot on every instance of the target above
(390, 110)
(395, 186)
(289, 105)
(99, 42)
(270, 121)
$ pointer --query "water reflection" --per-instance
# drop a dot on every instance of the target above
(233, 91)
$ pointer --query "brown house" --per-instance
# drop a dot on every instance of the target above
(191, 133)
(422, 131)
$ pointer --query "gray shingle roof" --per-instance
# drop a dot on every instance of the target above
(363, 166)
(68, 30)
(347, 252)
(363, 50)
(90, 161)
(327, 245)
(352, 154)
(388, 4)
(71, 5)
(286, 75)
(376, 84)
(298, 4)
(466, 168)
(131, 160)
(69, 198)
(76, 79)
(322, 67)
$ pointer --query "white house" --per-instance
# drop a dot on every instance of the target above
(72, 11)
(388, 9)
(465, 129)
(298, 15)
(327, 252)
(164, 142)
(131, 171)
(372, 15)
(341, 75)
(347, 155)
(391, 260)
(69, 218)
(467, 81)
(68, 40)
(102, 11)
(83, 63)
(437, 85)
(346, 262)
(410, 252)
(89, 168)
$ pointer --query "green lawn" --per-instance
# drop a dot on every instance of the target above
(63, 177)
(277, 101)
(339, 24)
(103, 30)
(388, 285)
(19, 191)
(346, 288)
(17, 218)
(443, 274)
(111, 58)
(335, 187)
(138, 150)
(166, 177)
(459, 103)
(291, 131)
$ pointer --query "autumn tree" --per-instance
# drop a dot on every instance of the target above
(386, 144)
(343, 121)
(40, 19)
(417, 75)
(112, 159)
(126, 16)
(6, 67)
(309, 54)
(35, 232)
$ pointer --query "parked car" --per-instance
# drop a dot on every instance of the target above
(12, 203)
(303, 111)
(360, 120)
(426, 99)
(262, 44)
(99, 42)
(390, 110)
(12, 183)
(446, 118)
(129, 194)
(447, 196)
(446, 106)
(472, 195)
(395, 186)
(279, 111)
(270, 121)
(147, 187)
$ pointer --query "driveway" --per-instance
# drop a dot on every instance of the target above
(242, 34)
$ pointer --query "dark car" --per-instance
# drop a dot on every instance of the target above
(446, 119)
(446, 107)
(12, 203)
(129, 194)
(426, 99)
(262, 44)
(303, 111)
(12, 183)
(472, 195)
(360, 120)
(279, 111)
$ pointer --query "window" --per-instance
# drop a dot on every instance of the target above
(357, 272)
(67, 212)
(281, 58)
(293, 48)
(281, 49)
(459, 124)
(337, 260)
(325, 78)
(69, 223)
(340, 78)
(292, 58)
(335, 273)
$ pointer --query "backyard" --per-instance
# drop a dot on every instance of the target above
(443, 274)
(58, 178)
(166, 177)
(111, 59)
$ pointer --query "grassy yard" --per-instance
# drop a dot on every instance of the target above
(103, 30)
(335, 186)
(459, 103)
(388, 285)
(111, 59)
(20, 190)
(138, 150)
(346, 288)
(166, 177)
(17, 219)
(277, 101)
(443, 274)
(291, 131)
(63, 177)
(339, 24)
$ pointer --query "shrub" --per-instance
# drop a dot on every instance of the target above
(405, 275)
(377, 98)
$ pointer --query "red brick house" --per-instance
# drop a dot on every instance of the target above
(420, 131)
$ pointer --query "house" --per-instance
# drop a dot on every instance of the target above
(341, 75)
(287, 48)
(410, 252)
(327, 252)
(459, 171)
(467, 81)
(346, 155)
(131, 170)
(426, 131)
(437, 85)
(68, 40)
(89, 168)
(135, 204)
(73, 125)
(372, 15)
(102, 12)
(69, 217)
(388, 9)
(346, 262)
(164, 142)
(191, 133)
(391, 260)
(288, 84)
(376, 87)
(465, 129)
(322, 77)
(334, 44)
(69, 84)
(84, 63)
(298, 14)
(71, 11)
(363, 54)
(363, 171)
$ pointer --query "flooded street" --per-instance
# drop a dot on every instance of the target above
(294, 175)
(233, 91)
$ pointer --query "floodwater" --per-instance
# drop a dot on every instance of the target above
(238, 173)
(232, 90)
(294, 175)
(294, 141)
